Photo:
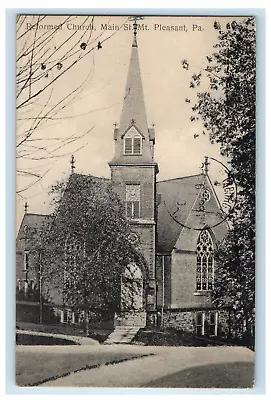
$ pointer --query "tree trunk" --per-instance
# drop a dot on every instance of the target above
(41, 309)
(86, 322)
(40, 290)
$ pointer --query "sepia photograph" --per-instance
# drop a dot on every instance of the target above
(135, 201)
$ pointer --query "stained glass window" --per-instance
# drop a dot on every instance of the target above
(205, 261)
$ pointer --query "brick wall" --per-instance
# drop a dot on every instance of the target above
(146, 234)
(183, 282)
(163, 262)
(145, 176)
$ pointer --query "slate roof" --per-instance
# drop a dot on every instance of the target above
(75, 176)
(169, 192)
(33, 221)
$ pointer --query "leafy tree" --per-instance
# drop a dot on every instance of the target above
(87, 245)
(228, 111)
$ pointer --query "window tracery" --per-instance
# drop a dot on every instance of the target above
(205, 261)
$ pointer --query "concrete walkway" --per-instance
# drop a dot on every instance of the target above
(139, 372)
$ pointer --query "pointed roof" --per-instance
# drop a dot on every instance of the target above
(184, 193)
(31, 221)
(133, 106)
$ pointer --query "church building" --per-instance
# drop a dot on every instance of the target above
(173, 222)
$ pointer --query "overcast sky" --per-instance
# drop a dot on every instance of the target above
(165, 85)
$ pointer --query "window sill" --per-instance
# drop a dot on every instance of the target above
(202, 292)
(142, 221)
(132, 154)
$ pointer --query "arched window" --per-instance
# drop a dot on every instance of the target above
(132, 144)
(205, 261)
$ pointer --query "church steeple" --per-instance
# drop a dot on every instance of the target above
(133, 104)
(134, 142)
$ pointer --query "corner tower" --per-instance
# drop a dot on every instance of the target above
(133, 170)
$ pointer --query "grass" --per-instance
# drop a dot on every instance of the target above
(34, 340)
(66, 329)
(35, 368)
(227, 376)
(174, 337)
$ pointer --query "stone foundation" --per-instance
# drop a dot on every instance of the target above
(185, 320)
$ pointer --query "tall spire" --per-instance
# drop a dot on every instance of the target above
(133, 106)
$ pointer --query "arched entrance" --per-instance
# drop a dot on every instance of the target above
(132, 288)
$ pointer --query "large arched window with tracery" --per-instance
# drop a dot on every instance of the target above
(205, 261)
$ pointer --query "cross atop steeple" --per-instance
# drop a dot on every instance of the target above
(135, 18)
(25, 207)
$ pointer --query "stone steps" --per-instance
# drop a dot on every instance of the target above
(122, 334)
(130, 319)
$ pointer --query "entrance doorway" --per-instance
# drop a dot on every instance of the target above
(132, 288)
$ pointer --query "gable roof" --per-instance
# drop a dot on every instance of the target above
(169, 192)
(179, 201)
(87, 178)
(132, 124)
(33, 221)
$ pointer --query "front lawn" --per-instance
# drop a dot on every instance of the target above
(35, 340)
(174, 337)
(99, 334)
(227, 375)
(33, 368)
